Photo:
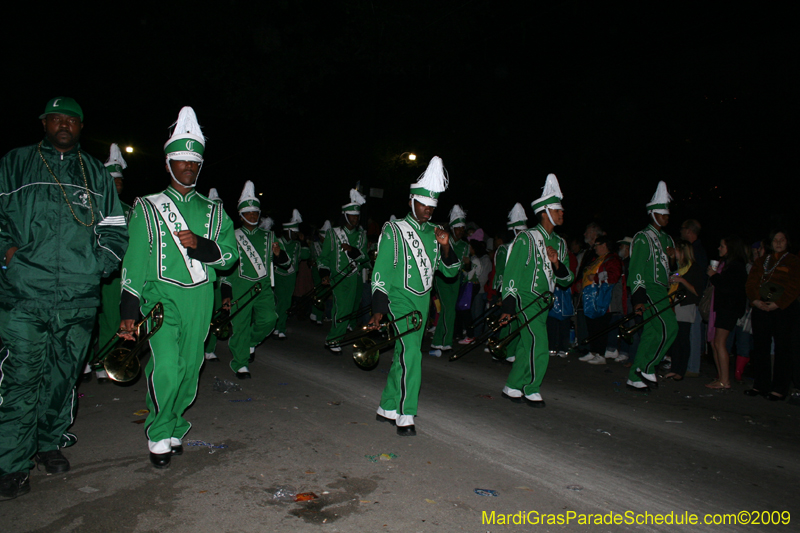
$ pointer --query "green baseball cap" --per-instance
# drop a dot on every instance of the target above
(63, 105)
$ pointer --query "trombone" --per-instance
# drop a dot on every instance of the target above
(363, 310)
(366, 350)
(221, 320)
(122, 363)
(619, 324)
(494, 325)
(627, 334)
(321, 292)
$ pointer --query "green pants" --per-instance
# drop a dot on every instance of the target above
(42, 356)
(402, 385)
(177, 354)
(211, 339)
(284, 289)
(255, 321)
(531, 350)
(657, 336)
(346, 299)
(448, 296)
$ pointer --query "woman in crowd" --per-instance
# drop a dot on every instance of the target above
(687, 279)
(606, 268)
(773, 287)
(728, 303)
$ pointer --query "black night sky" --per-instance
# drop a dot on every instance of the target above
(307, 98)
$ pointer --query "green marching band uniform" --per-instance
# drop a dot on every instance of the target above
(315, 250)
(517, 223)
(408, 257)
(529, 274)
(286, 275)
(447, 287)
(337, 263)
(159, 269)
(648, 281)
(61, 212)
(108, 318)
(211, 340)
(252, 323)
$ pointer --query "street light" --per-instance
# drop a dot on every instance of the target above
(129, 149)
(412, 157)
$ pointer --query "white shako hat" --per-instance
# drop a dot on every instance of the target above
(356, 201)
(115, 164)
(213, 195)
(392, 218)
(430, 184)
(293, 224)
(325, 227)
(517, 218)
(186, 143)
(458, 218)
(248, 201)
(551, 196)
(266, 224)
(660, 201)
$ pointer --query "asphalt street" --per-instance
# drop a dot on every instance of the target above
(305, 423)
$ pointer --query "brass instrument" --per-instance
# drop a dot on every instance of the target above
(366, 350)
(619, 323)
(627, 334)
(122, 363)
(221, 319)
(320, 292)
(363, 310)
(494, 325)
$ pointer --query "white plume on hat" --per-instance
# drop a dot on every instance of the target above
(392, 218)
(115, 160)
(325, 227)
(214, 195)
(434, 181)
(249, 198)
(551, 190)
(296, 218)
(356, 201)
(266, 224)
(660, 201)
(457, 216)
(517, 217)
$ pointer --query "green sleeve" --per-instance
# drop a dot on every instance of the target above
(384, 272)
(136, 263)
(563, 257)
(500, 267)
(638, 268)
(327, 256)
(228, 247)
(112, 228)
(6, 227)
(515, 266)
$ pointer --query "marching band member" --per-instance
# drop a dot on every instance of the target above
(345, 247)
(257, 251)
(287, 274)
(178, 239)
(648, 280)
(315, 249)
(211, 340)
(447, 287)
(410, 251)
(535, 263)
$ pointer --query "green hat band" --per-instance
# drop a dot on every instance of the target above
(651, 207)
(458, 222)
(517, 223)
(114, 168)
(547, 201)
(185, 145)
(421, 191)
(249, 205)
(352, 208)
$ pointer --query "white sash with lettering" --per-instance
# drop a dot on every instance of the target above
(251, 253)
(538, 241)
(414, 243)
(173, 218)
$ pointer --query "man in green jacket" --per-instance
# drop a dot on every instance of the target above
(286, 275)
(61, 230)
(178, 240)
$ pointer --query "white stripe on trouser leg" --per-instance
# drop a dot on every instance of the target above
(405, 420)
(387, 414)
(161, 446)
(514, 393)
(174, 441)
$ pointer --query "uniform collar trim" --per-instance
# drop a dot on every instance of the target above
(175, 195)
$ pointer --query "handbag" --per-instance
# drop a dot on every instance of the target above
(562, 304)
(770, 292)
(464, 301)
(704, 307)
(596, 299)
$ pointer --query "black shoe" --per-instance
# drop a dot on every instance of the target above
(512, 398)
(380, 418)
(406, 431)
(14, 484)
(753, 392)
(536, 404)
(160, 460)
(54, 461)
(252, 357)
(177, 450)
(243, 375)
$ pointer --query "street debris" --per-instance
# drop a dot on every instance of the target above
(485, 396)
(486, 492)
(284, 493)
(238, 401)
(225, 386)
(574, 487)
(141, 412)
(88, 490)
(211, 447)
(305, 497)
(381, 457)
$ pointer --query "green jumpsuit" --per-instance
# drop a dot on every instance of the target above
(408, 257)
(159, 269)
(108, 318)
(69, 230)
(448, 287)
(286, 278)
(336, 262)
(648, 280)
(527, 275)
(257, 319)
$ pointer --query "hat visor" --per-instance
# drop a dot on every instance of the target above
(425, 200)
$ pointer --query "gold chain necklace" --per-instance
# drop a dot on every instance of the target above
(85, 184)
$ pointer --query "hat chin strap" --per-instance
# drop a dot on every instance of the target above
(193, 185)
(551, 218)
